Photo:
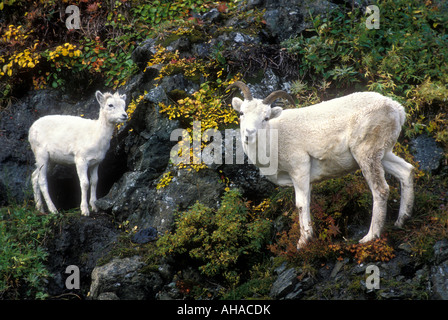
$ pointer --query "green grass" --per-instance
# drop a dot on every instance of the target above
(22, 255)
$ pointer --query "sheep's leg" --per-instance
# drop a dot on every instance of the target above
(403, 171)
(43, 185)
(36, 190)
(81, 169)
(303, 205)
(93, 184)
(302, 188)
(373, 172)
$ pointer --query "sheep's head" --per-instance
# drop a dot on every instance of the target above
(256, 113)
(113, 106)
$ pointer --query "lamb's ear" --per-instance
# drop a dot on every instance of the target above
(123, 96)
(99, 97)
(275, 112)
(236, 104)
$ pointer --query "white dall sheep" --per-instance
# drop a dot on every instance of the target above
(328, 140)
(74, 140)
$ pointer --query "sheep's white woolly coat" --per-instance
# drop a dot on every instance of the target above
(334, 129)
(328, 140)
(74, 140)
(55, 135)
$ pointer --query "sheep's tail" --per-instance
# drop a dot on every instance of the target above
(400, 111)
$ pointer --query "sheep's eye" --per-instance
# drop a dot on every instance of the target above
(266, 119)
(241, 113)
(111, 105)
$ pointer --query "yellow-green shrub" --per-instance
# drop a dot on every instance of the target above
(206, 104)
(219, 240)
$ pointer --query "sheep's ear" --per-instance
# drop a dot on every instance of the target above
(275, 112)
(123, 96)
(236, 103)
(100, 97)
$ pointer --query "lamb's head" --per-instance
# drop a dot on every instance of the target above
(255, 114)
(112, 107)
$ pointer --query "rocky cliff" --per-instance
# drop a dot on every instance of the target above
(114, 249)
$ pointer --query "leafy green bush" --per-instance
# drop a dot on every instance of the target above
(219, 240)
(38, 50)
(22, 269)
(408, 47)
(406, 58)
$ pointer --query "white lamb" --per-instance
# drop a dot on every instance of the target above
(328, 140)
(74, 140)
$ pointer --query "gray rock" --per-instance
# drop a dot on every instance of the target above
(281, 268)
(122, 278)
(79, 241)
(108, 296)
(337, 267)
(426, 152)
(252, 4)
(406, 247)
(296, 293)
(145, 235)
(441, 251)
(288, 18)
(178, 82)
(392, 294)
(284, 284)
(202, 50)
(156, 95)
(439, 278)
(182, 44)
(211, 16)
(135, 198)
(144, 52)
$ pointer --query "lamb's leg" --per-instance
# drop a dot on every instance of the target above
(403, 171)
(81, 169)
(93, 183)
(43, 185)
(36, 190)
(373, 172)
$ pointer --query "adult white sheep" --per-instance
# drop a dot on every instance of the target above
(328, 140)
(74, 140)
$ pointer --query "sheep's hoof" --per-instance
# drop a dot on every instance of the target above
(85, 213)
(399, 224)
(301, 244)
(368, 237)
(400, 221)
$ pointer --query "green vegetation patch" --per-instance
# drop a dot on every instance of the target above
(22, 255)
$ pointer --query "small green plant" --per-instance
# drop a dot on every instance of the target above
(205, 105)
(218, 240)
(22, 271)
(258, 285)
(405, 60)
(164, 180)
(333, 203)
(162, 10)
